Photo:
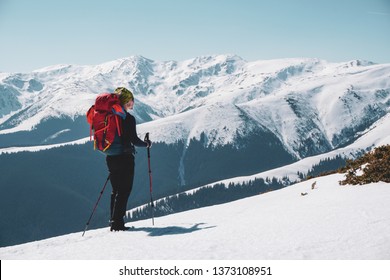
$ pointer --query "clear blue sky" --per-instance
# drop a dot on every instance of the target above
(38, 33)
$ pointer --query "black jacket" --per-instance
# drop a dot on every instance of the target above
(125, 144)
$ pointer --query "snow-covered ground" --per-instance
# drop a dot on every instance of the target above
(326, 223)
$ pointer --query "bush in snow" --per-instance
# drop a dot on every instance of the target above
(371, 167)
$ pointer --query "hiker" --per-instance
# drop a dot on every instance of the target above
(120, 161)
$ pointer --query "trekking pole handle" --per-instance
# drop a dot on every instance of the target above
(146, 139)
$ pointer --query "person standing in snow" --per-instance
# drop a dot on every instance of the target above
(120, 161)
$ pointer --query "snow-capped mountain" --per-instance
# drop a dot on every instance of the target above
(310, 105)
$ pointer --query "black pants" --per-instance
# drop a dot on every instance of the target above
(121, 170)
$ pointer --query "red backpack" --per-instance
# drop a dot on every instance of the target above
(103, 118)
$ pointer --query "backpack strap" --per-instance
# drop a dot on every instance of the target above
(119, 111)
(90, 114)
(118, 125)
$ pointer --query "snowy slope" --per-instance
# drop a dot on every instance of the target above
(330, 222)
(375, 136)
(11, 150)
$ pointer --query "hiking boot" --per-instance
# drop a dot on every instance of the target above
(118, 227)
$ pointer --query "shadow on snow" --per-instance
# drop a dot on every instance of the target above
(170, 230)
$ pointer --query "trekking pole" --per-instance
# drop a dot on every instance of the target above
(94, 208)
(150, 179)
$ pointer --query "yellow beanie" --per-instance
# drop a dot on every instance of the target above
(125, 95)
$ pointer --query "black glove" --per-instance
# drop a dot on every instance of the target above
(148, 143)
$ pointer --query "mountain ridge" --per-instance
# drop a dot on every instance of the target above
(212, 83)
